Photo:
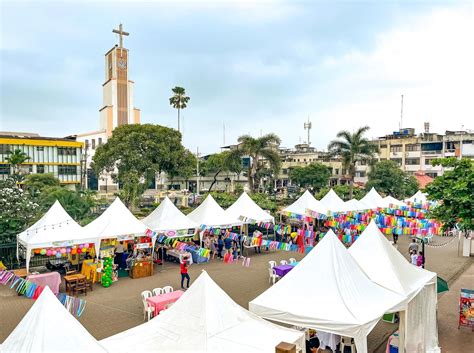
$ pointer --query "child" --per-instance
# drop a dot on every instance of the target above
(414, 258)
(420, 260)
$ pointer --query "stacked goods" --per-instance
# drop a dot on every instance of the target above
(107, 272)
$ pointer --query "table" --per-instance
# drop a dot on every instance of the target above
(69, 280)
(282, 270)
(87, 267)
(158, 302)
(327, 339)
(178, 254)
(141, 268)
(50, 279)
(21, 272)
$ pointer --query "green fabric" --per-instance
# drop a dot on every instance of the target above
(442, 285)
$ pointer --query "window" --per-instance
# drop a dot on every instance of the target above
(396, 148)
(86, 143)
(100, 141)
(336, 171)
(284, 171)
(412, 147)
(67, 170)
(432, 175)
(4, 169)
(412, 161)
(40, 169)
(93, 144)
(66, 151)
(4, 149)
(450, 146)
(428, 161)
(398, 161)
(40, 148)
(360, 174)
(434, 146)
(363, 162)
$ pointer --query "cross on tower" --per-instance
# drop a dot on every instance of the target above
(121, 33)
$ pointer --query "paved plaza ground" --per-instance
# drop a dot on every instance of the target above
(119, 307)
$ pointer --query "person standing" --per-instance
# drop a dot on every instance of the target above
(420, 260)
(184, 272)
(119, 250)
(413, 247)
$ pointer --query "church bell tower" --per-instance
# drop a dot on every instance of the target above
(118, 106)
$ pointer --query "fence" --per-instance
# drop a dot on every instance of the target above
(8, 254)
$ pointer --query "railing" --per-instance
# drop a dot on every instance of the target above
(8, 254)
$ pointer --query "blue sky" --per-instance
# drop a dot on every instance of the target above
(255, 66)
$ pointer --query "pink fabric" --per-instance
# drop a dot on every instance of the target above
(50, 279)
(158, 302)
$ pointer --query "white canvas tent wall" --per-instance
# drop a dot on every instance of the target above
(47, 328)
(333, 202)
(246, 207)
(372, 200)
(389, 200)
(418, 197)
(304, 202)
(168, 217)
(387, 267)
(338, 297)
(204, 319)
(116, 222)
(210, 214)
(55, 229)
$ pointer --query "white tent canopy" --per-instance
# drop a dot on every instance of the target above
(247, 208)
(418, 197)
(333, 202)
(210, 214)
(204, 319)
(389, 200)
(55, 229)
(354, 205)
(168, 217)
(116, 222)
(305, 202)
(387, 267)
(48, 327)
(373, 200)
(338, 298)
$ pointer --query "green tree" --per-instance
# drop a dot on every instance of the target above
(455, 192)
(264, 201)
(389, 179)
(263, 153)
(179, 101)
(79, 205)
(315, 175)
(342, 191)
(36, 183)
(352, 147)
(17, 210)
(222, 162)
(135, 153)
(185, 167)
(16, 158)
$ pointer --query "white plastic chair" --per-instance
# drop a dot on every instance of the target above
(157, 291)
(283, 262)
(167, 289)
(292, 260)
(272, 263)
(347, 342)
(147, 309)
(273, 276)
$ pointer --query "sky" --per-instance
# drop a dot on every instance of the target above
(254, 67)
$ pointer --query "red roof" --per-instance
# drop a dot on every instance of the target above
(423, 179)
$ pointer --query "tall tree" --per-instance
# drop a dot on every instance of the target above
(135, 153)
(315, 175)
(36, 183)
(179, 101)
(185, 167)
(455, 191)
(263, 153)
(16, 158)
(352, 147)
(223, 162)
(389, 179)
(342, 191)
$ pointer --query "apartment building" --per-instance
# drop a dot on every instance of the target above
(59, 156)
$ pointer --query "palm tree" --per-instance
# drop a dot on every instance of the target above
(262, 152)
(16, 159)
(352, 147)
(179, 100)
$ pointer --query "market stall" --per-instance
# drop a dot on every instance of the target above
(245, 209)
(216, 324)
(384, 265)
(49, 327)
(333, 202)
(306, 201)
(418, 197)
(372, 200)
(348, 302)
(56, 234)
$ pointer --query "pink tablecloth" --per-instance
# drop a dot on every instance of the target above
(50, 279)
(159, 301)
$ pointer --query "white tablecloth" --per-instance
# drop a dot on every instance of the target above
(179, 254)
(327, 339)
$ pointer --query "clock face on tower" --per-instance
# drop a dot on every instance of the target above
(122, 64)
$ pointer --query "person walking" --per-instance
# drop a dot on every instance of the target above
(413, 247)
(184, 272)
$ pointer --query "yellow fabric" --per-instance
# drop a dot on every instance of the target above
(293, 235)
(87, 267)
(2, 266)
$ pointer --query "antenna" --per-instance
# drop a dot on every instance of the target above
(307, 126)
(401, 114)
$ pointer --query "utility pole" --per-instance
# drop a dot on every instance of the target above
(307, 126)
(401, 115)
(197, 171)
